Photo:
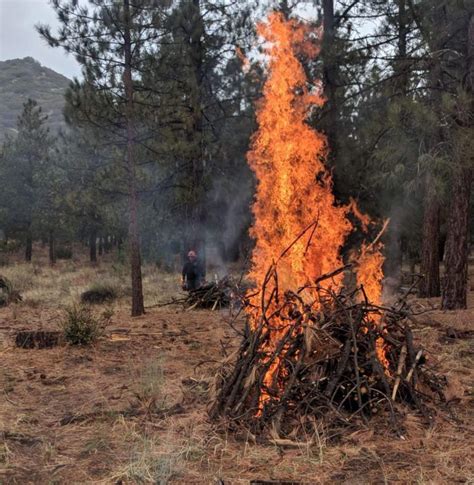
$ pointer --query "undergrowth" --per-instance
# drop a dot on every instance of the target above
(82, 327)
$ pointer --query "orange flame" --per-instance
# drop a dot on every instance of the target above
(297, 222)
(370, 275)
(294, 188)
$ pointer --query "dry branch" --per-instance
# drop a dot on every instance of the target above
(324, 361)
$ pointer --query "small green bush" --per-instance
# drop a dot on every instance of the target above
(9, 246)
(82, 327)
(63, 252)
(4, 261)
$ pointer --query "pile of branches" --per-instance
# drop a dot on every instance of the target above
(324, 364)
(215, 295)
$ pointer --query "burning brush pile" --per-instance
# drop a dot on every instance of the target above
(299, 362)
(314, 346)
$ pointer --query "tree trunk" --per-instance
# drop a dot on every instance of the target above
(430, 244)
(93, 247)
(29, 247)
(456, 259)
(330, 75)
(457, 243)
(393, 248)
(402, 68)
(107, 244)
(430, 285)
(194, 237)
(52, 248)
(138, 307)
(284, 8)
(101, 246)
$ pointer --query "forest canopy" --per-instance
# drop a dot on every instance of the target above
(152, 157)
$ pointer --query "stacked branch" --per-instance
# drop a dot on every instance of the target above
(215, 295)
(322, 363)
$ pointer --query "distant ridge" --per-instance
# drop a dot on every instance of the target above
(25, 78)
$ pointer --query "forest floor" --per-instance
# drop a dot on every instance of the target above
(131, 408)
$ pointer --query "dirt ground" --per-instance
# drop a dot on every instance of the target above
(131, 408)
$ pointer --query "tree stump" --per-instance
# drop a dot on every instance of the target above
(38, 339)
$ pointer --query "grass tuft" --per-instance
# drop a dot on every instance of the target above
(149, 465)
(100, 293)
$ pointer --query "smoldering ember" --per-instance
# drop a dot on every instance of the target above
(235, 241)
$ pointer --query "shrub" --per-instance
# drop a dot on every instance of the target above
(63, 252)
(99, 293)
(8, 294)
(4, 261)
(9, 246)
(81, 327)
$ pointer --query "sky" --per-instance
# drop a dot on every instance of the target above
(19, 39)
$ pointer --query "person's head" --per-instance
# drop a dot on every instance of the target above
(192, 256)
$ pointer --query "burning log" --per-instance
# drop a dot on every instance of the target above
(324, 365)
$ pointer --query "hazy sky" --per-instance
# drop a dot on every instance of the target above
(19, 39)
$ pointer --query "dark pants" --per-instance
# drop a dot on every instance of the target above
(192, 284)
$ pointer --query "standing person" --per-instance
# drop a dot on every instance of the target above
(193, 274)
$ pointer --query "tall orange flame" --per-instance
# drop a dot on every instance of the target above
(297, 223)
(294, 188)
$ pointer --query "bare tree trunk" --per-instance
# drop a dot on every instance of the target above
(101, 246)
(456, 259)
(29, 247)
(284, 8)
(430, 244)
(52, 248)
(93, 246)
(393, 248)
(107, 244)
(457, 243)
(138, 307)
(194, 237)
(330, 75)
(430, 285)
(402, 68)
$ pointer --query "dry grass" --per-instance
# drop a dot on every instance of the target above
(132, 407)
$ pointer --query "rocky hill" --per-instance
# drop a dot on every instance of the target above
(21, 79)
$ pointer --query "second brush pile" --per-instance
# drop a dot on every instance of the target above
(215, 295)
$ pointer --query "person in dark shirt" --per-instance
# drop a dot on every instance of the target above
(193, 274)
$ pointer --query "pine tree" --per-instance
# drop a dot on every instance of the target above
(110, 40)
(24, 170)
(196, 95)
(460, 114)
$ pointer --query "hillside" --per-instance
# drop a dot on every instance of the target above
(21, 79)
